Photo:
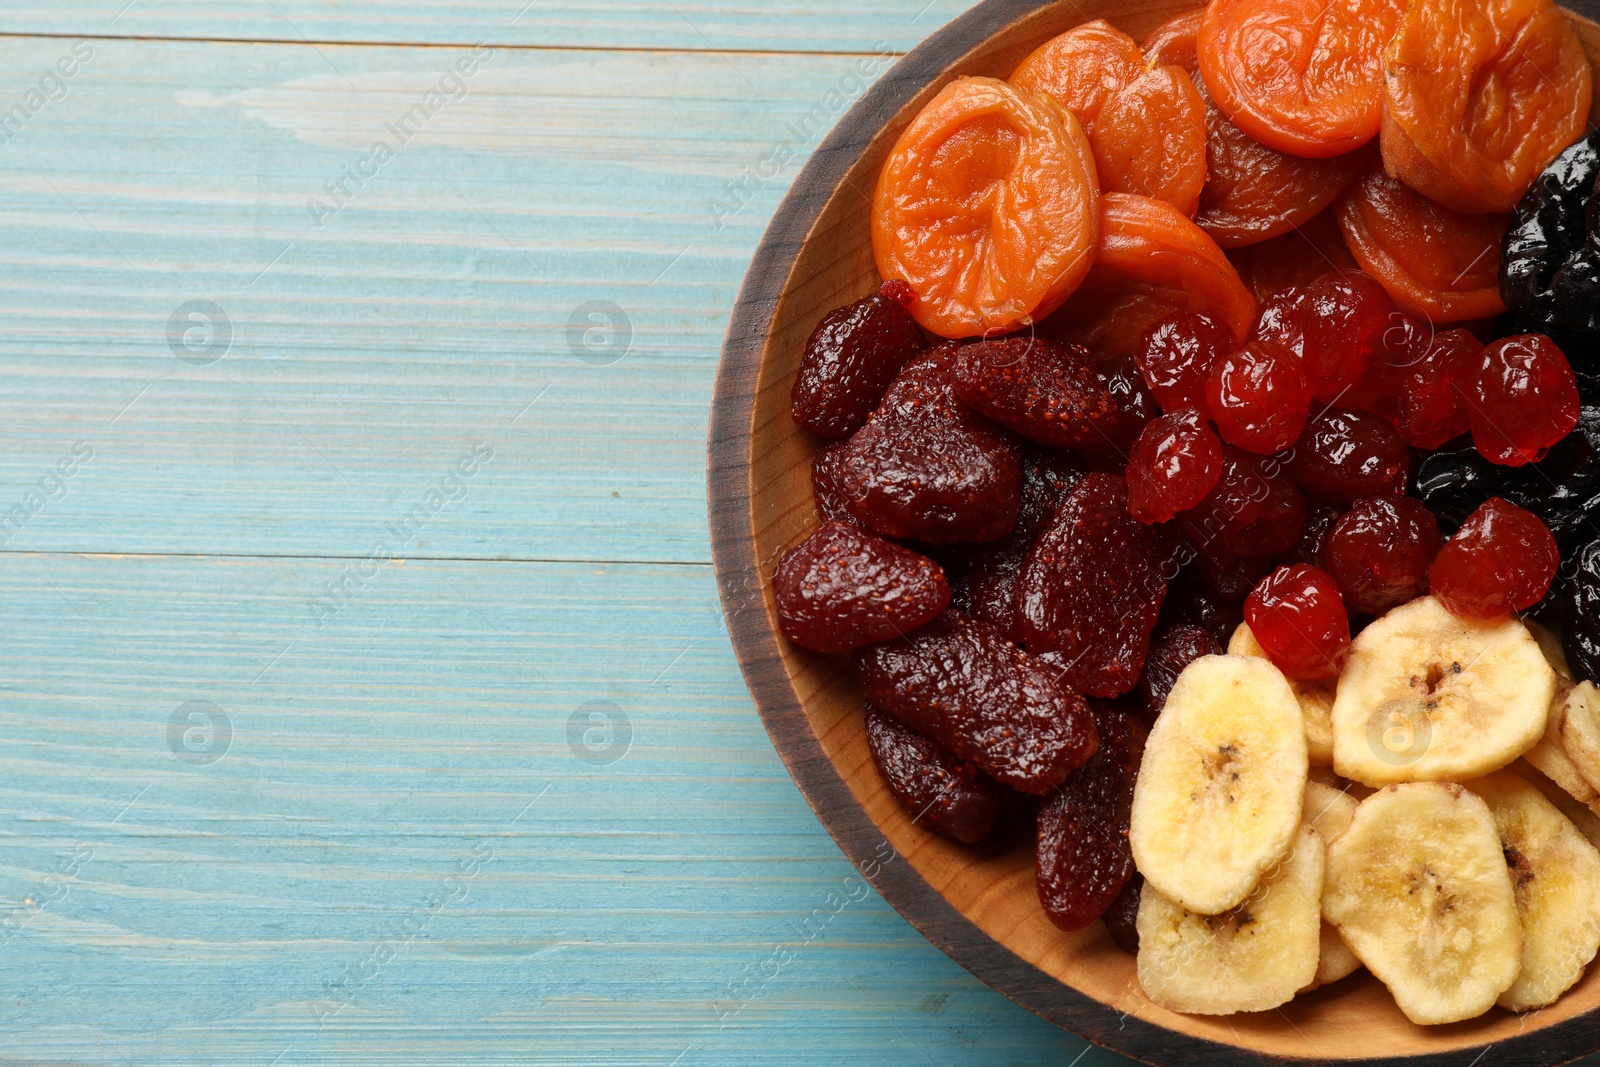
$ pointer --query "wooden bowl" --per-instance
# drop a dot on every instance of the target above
(979, 905)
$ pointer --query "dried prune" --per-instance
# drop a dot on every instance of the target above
(851, 358)
(1048, 392)
(843, 587)
(1173, 649)
(1092, 587)
(1084, 859)
(1550, 261)
(1122, 918)
(1191, 600)
(963, 684)
(1581, 635)
(991, 569)
(924, 466)
(940, 791)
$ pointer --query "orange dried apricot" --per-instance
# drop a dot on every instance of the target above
(1146, 123)
(1152, 261)
(1480, 96)
(1302, 76)
(1252, 193)
(1436, 263)
(988, 207)
(1308, 251)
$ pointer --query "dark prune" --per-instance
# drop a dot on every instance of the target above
(1093, 585)
(1255, 509)
(992, 568)
(1550, 257)
(946, 794)
(924, 466)
(963, 684)
(1122, 918)
(1454, 480)
(843, 587)
(1191, 600)
(1044, 390)
(1084, 859)
(1172, 650)
(1581, 635)
(1348, 454)
(853, 355)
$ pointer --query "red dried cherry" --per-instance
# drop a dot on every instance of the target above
(937, 788)
(1404, 343)
(1431, 396)
(1298, 617)
(1503, 559)
(1344, 455)
(1175, 462)
(1258, 397)
(1380, 552)
(1176, 355)
(1046, 391)
(1524, 400)
(851, 358)
(1232, 577)
(1335, 324)
(843, 587)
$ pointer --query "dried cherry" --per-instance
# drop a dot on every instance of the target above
(924, 466)
(1380, 552)
(1335, 324)
(1432, 394)
(843, 587)
(1312, 547)
(1176, 355)
(963, 684)
(1083, 859)
(1048, 392)
(1259, 397)
(1255, 509)
(1348, 454)
(1176, 461)
(1092, 587)
(1524, 399)
(940, 791)
(1298, 617)
(852, 356)
(1127, 388)
(1503, 559)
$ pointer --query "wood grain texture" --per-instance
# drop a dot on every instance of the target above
(980, 904)
(785, 25)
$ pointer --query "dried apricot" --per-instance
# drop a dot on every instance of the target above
(1146, 126)
(1435, 262)
(1308, 251)
(1252, 192)
(988, 207)
(1152, 262)
(1480, 96)
(1302, 76)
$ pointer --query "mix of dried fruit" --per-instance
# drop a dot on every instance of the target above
(1201, 477)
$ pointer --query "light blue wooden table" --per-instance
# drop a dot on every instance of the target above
(365, 697)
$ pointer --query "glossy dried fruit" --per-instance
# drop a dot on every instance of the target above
(940, 791)
(1440, 264)
(1481, 96)
(924, 466)
(1296, 257)
(1524, 399)
(1084, 860)
(1174, 464)
(1176, 355)
(830, 502)
(1255, 509)
(1344, 455)
(1191, 601)
(1503, 559)
(963, 684)
(1173, 649)
(1550, 269)
(1122, 918)
(1152, 261)
(1092, 587)
(1048, 392)
(1380, 552)
(1313, 544)
(1432, 394)
(1146, 126)
(1298, 618)
(1232, 577)
(1301, 76)
(987, 206)
(1581, 635)
(851, 358)
(1335, 324)
(843, 587)
(1259, 397)
(1133, 399)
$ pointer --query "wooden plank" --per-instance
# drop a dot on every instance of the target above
(380, 330)
(404, 854)
(815, 25)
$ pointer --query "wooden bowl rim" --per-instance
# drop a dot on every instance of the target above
(755, 644)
